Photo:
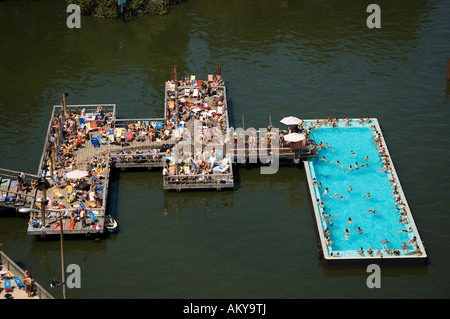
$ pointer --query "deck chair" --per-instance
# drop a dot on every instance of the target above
(8, 286)
(129, 136)
(101, 140)
(69, 190)
(88, 203)
(72, 197)
(19, 282)
(111, 138)
(95, 142)
(5, 182)
(10, 199)
(94, 126)
(58, 193)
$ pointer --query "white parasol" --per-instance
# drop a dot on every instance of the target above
(290, 120)
(294, 137)
(77, 174)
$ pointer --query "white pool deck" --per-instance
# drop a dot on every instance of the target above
(343, 260)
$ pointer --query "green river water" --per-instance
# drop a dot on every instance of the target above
(304, 58)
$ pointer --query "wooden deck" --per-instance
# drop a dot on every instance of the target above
(141, 143)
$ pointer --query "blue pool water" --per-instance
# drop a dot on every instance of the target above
(349, 145)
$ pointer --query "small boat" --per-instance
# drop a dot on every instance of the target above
(110, 223)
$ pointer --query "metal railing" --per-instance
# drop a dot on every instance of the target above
(197, 180)
(13, 268)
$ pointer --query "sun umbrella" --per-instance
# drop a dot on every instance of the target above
(77, 174)
(290, 120)
(294, 137)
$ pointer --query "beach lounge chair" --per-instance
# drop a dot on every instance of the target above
(72, 197)
(129, 136)
(94, 126)
(88, 203)
(58, 193)
(8, 286)
(95, 142)
(19, 282)
(5, 182)
(92, 216)
(101, 140)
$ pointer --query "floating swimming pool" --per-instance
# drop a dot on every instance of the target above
(353, 196)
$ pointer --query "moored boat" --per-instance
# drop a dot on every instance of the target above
(110, 223)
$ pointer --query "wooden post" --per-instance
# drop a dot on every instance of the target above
(219, 70)
(64, 103)
(43, 206)
(448, 69)
(175, 75)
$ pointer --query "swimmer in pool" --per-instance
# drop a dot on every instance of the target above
(337, 162)
(356, 165)
(370, 252)
(372, 211)
(404, 230)
(346, 234)
(379, 254)
(361, 252)
(325, 191)
(324, 159)
(349, 189)
(350, 169)
(366, 158)
(387, 250)
(353, 153)
(329, 147)
(359, 230)
(350, 221)
(368, 195)
(320, 146)
(337, 196)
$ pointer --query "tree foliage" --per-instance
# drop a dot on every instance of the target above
(111, 9)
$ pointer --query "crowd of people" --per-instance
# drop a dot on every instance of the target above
(198, 107)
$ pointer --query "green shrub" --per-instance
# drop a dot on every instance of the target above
(110, 8)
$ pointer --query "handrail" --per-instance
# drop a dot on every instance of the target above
(195, 178)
